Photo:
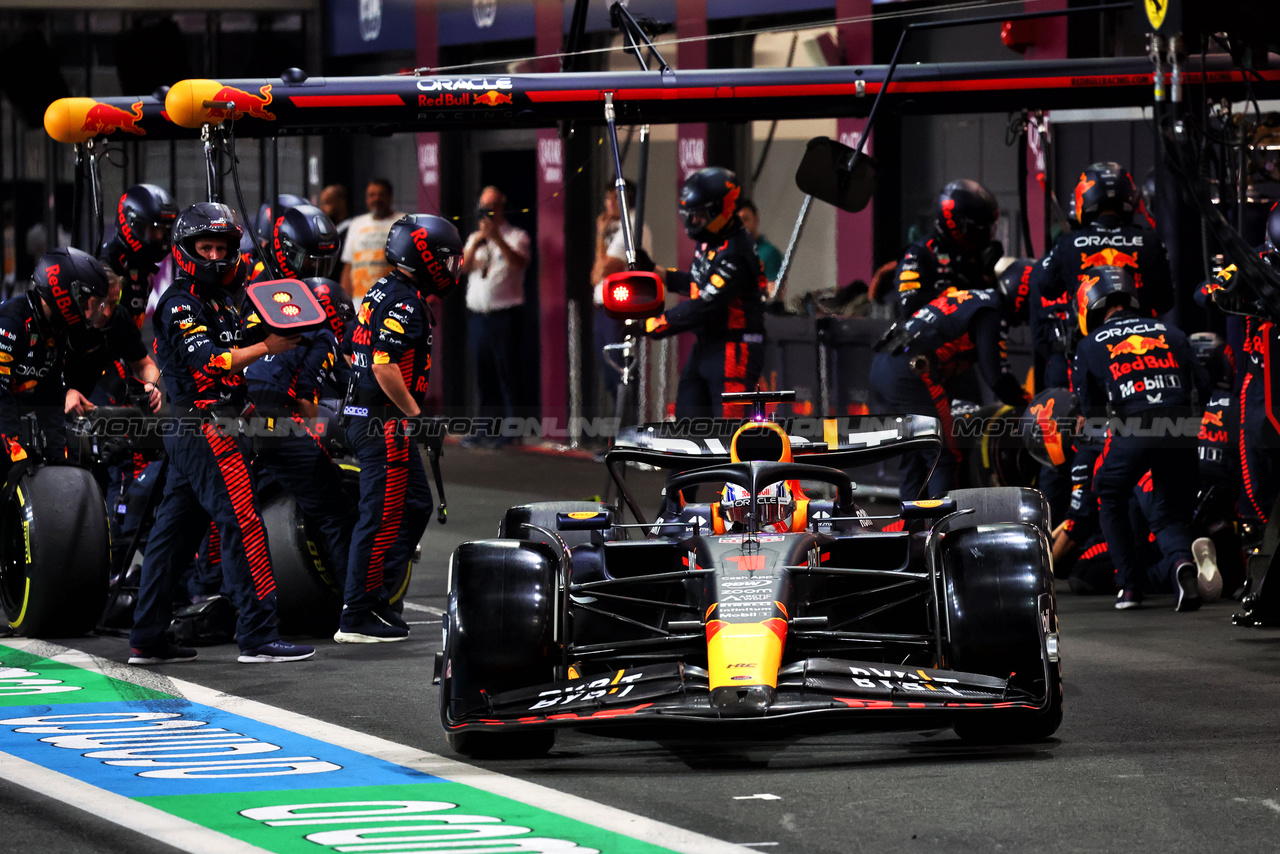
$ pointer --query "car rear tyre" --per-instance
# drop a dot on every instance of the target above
(55, 554)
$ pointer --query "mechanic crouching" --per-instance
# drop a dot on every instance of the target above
(198, 339)
(391, 361)
(726, 288)
(943, 339)
(1143, 375)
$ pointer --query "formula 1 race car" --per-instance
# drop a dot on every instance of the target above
(940, 615)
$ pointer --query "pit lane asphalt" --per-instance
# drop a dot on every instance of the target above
(1169, 740)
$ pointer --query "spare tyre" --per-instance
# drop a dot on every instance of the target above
(55, 553)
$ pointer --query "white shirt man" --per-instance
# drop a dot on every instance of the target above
(364, 252)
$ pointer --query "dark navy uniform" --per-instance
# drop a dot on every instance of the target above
(209, 474)
(726, 287)
(1107, 241)
(946, 337)
(296, 460)
(1144, 371)
(929, 267)
(31, 360)
(393, 327)
(135, 275)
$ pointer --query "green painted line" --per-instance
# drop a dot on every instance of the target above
(29, 680)
(456, 818)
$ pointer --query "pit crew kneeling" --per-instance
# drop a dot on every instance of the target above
(197, 330)
(1142, 373)
(391, 360)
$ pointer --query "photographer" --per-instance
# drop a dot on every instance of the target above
(494, 260)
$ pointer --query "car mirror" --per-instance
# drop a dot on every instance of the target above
(830, 172)
(581, 521)
(933, 508)
(633, 295)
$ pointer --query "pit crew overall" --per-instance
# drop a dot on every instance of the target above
(1259, 461)
(31, 359)
(953, 332)
(1133, 367)
(299, 462)
(136, 275)
(393, 327)
(726, 287)
(1109, 241)
(929, 267)
(210, 472)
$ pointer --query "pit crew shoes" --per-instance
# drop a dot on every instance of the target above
(368, 627)
(1208, 579)
(162, 653)
(1128, 599)
(1187, 595)
(276, 651)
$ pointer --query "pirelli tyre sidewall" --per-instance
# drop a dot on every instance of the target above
(56, 552)
(998, 611)
(308, 594)
(499, 636)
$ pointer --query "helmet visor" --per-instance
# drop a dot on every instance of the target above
(312, 266)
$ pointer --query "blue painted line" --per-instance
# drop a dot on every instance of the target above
(176, 747)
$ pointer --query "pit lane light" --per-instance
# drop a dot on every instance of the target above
(633, 295)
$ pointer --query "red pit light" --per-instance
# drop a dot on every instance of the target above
(290, 310)
(283, 296)
(633, 295)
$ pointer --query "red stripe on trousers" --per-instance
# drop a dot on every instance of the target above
(239, 488)
(392, 504)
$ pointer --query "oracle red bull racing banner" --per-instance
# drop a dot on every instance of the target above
(241, 779)
(424, 102)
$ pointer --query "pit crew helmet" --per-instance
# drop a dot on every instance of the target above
(774, 504)
(1099, 288)
(1272, 239)
(144, 220)
(967, 214)
(338, 307)
(305, 243)
(709, 202)
(1014, 285)
(1105, 187)
(208, 219)
(264, 222)
(1211, 351)
(64, 280)
(1048, 425)
(430, 249)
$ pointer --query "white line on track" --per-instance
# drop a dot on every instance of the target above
(542, 797)
(118, 809)
(414, 606)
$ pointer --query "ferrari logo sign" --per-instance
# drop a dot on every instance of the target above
(1156, 10)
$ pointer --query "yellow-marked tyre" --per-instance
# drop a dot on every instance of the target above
(55, 554)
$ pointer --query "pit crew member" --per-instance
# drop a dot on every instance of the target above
(944, 338)
(391, 361)
(198, 348)
(66, 303)
(726, 289)
(1143, 372)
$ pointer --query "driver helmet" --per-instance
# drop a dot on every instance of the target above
(774, 504)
